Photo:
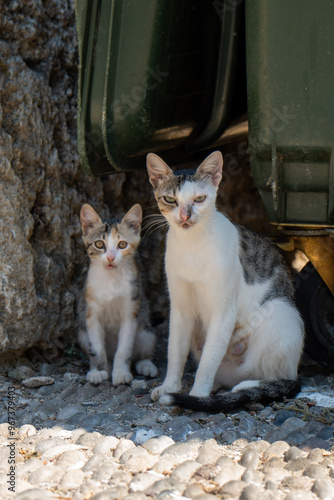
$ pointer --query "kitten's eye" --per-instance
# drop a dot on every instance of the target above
(122, 245)
(169, 199)
(99, 244)
(199, 199)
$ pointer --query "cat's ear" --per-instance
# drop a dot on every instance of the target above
(133, 218)
(157, 169)
(88, 218)
(212, 167)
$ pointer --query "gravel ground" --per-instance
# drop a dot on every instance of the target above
(73, 440)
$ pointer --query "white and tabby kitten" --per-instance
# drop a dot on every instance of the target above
(115, 322)
(231, 298)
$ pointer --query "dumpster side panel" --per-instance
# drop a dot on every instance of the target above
(290, 70)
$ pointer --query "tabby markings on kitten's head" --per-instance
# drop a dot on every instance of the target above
(111, 241)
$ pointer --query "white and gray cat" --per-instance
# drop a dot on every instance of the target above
(115, 320)
(231, 298)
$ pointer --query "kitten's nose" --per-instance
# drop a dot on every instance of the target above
(110, 258)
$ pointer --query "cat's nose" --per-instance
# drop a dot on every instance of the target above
(110, 258)
(185, 214)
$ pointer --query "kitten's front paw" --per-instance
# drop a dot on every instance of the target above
(163, 389)
(121, 377)
(147, 368)
(95, 377)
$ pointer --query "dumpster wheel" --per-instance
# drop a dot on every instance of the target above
(316, 305)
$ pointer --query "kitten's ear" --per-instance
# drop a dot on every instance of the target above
(133, 218)
(212, 166)
(88, 218)
(157, 169)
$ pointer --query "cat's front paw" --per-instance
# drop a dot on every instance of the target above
(158, 392)
(121, 377)
(147, 368)
(199, 392)
(95, 377)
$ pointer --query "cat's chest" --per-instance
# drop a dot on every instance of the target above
(107, 285)
(198, 259)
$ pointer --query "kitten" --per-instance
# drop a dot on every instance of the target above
(231, 298)
(116, 313)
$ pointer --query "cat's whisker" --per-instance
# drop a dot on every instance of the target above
(153, 227)
(154, 222)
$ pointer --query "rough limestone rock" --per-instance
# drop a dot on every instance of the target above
(41, 182)
(42, 185)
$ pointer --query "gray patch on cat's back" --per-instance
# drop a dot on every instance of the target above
(261, 261)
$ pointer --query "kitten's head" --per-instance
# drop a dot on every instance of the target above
(110, 242)
(185, 197)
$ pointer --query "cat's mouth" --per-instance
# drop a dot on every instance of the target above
(186, 225)
(110, 266)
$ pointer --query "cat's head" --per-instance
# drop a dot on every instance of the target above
(110, 242)
(185, 197)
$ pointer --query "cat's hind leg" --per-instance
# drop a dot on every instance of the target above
(147, 368)
(143, 350)
(275, 344)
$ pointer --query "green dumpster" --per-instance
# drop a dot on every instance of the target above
(156, 75)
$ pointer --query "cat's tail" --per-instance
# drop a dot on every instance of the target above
(264, 392)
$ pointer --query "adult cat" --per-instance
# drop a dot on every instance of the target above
(114, 319)
(231, 298)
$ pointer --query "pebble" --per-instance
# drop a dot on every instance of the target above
(315, 456)
(107, 443)
(143, 481)
(70, 459)
(249, 458)
(297, 464)
(323, 488)
(276, 449)
(34, 382)
(292, 453)
(186, 470)
(48, 474)
(252, 476)
(250, 492)
(35, 494)
(229, 473)
(209, 452)
(158, 445)
(172, 484)
(21, 372)
(122, 447)
(72, 479)
(315, 471)
(233, 488)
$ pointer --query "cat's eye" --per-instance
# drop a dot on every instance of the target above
(169, 199)
(122, 244)
(99, 244)
(199, 199)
